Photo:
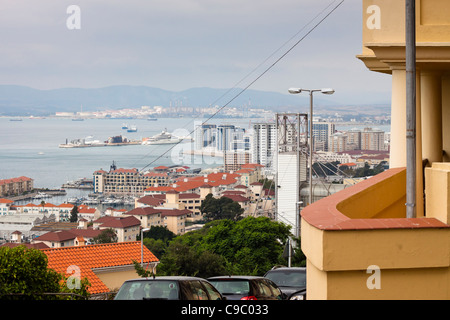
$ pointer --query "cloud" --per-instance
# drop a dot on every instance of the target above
(179, 44)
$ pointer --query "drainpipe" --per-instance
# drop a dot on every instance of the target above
(410, 45)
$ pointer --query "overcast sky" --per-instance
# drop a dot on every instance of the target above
(181, 44)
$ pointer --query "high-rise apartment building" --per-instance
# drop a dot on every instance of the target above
(205, 136)
(321, 133)
(264, 146)
(372, 139)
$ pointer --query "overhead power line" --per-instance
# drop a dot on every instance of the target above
(317, 24)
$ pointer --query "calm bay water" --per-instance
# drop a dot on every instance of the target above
(31, 147)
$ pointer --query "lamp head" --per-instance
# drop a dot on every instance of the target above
(327, 91)
(294, 90)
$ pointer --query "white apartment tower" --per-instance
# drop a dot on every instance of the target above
(264, 145)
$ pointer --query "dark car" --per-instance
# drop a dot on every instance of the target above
(168, 288)
(291, 281)
(246, 288)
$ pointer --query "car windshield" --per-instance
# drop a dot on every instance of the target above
(148, 290)
(228, 287)
(288, 278)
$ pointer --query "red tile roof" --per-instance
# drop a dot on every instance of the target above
(236, 197)
(143, 211)
(151, 200)
(39, 245)
(91, 257)
(3, 200)
(12, 180)
(251, 165)
(174, 212)
(122, 170)
(118, 222)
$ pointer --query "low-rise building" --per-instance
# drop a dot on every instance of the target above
(106, 266)
(127, 228)
(15, 186)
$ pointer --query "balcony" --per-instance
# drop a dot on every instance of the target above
(348, 233)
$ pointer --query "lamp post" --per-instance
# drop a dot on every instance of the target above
(311, 91)
(142, 245)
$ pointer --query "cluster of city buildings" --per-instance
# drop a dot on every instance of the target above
(168, 199)
(173, 110)
(259, 144)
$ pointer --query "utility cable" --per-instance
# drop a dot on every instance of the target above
(257, 78)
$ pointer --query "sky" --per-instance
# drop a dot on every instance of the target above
(181, 44)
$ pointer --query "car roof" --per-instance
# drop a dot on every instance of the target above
(168, 278)
(288, 268)
(234, 278)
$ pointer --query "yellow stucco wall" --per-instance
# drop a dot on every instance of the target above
(413, 260)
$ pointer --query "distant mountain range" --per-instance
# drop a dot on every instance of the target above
(24, 101)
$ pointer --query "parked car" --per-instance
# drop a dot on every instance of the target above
(291, 281)
(168, 288)
(246, 288)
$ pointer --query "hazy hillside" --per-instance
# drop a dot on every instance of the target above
(21, 100)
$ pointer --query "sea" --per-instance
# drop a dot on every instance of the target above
(30, 147)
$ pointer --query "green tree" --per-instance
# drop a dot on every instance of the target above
(74, 214)
(24, 271)
(222, 208)
(182, 259)
(157, 247)
(106, 236)
(251, 246)
(159, 233)
(248, 246)
(268, 184)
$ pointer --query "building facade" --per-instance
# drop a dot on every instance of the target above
(264, 145)
(15, 186)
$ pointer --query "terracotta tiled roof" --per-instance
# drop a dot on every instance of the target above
(3, 200)
(188, 196)
(152, 201)
(19, 179)
(39, 245)
(174, 212)
(118, 222)
(159, 189)
(122, 170)
(251, 165)
(236, 197)
(143, 211)
(244, 171)
(227, 192)
(60, 235)
(87, 210)
(91, 257)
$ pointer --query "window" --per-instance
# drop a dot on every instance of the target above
(198, 292)
(213, 294)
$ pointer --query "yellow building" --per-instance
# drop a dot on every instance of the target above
(358, 242)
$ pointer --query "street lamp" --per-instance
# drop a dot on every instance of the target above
(142, 245)
(311, 91)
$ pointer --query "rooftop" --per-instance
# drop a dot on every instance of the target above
(91, 257)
